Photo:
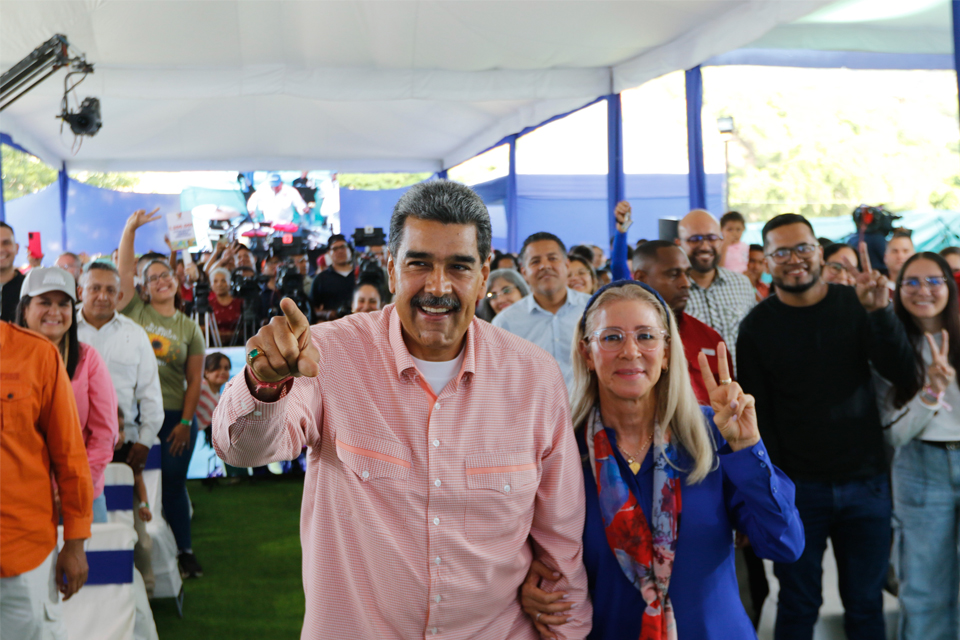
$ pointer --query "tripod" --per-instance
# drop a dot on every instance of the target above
(247, 328)
(211, 333)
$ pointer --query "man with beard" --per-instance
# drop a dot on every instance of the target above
(548, 317)
(439, 468)
(10, 278)
(719, 297)
(805, 355)
(332, 290)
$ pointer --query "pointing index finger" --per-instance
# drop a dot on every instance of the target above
(295, 319)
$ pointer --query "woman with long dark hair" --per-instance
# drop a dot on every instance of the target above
(179, 348)
(920, 423)
(48, 305)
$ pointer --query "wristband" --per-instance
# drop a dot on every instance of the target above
(143, 505)
(185, 422)
(938, 397)
(258, 386)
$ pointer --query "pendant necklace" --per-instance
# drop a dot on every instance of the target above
(633, 461)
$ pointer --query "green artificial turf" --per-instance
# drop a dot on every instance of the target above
(247, 538)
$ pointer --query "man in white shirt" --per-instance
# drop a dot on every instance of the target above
(549, 316)
(125, 347)
(276, 201)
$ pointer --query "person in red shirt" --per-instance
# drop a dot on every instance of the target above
(663, 265)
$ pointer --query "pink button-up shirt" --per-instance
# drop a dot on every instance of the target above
(97, 407)
(418, 509)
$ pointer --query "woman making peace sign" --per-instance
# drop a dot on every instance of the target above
(920, 423)
(667, 482)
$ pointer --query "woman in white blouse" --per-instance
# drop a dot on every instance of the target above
(921, 424)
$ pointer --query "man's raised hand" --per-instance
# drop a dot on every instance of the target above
(871, 285)
(623, 214)
(283, 347)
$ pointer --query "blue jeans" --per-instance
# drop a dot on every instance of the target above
(100, 508)
(855, 515)
(926, 491)
(173, 472)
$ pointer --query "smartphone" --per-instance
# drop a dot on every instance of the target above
(33, 245)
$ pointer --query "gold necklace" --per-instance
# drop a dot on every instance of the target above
(632, 459)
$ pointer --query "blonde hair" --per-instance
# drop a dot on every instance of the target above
(677, 406)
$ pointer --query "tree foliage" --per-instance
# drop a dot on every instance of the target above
(379, 181)
(23, 173)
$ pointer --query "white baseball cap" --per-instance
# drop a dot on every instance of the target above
(46, 279)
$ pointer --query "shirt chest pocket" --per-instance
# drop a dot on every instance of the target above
(19, 411)
(372, 460)
(124, 360)
(501, 488)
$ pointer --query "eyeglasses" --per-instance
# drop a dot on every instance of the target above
(493, 295)
(612, 339)
(932, 282)
(802, 251)
(166, 275)
(710, 237)
(837, 267)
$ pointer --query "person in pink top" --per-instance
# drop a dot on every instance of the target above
(441, 461)
(48, 306)
(734, 252)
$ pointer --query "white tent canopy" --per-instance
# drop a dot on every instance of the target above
(350, 85)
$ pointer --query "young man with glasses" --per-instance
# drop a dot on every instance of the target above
(805, 354)
(718, 297)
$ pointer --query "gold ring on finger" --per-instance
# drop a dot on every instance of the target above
(726, 381)
(253, 355)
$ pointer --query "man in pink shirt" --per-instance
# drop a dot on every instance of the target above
(440, 463)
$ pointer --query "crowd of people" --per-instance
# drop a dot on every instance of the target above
(530, 422)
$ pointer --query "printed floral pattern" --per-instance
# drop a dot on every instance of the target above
(645, 555)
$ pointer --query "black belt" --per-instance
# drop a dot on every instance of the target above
(952, 445)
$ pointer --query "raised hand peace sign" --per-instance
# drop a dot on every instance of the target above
(735, 412)
(940, 374)
(872, 286)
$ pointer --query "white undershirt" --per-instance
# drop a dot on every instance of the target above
(438, 374)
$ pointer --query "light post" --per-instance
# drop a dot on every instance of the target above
(726, 129)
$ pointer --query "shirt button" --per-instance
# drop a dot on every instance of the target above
(258, 413)
(437, 599)
(436, 443)
(774, 489)
(433, 631)
(437, 521)
(437, 560)
(365, 474)
(760, 453)
(763, 465)
(506, 488)
(436, 407)
(437, 482)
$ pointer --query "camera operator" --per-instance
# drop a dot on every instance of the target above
(226, 308)
(283, 277)
(332, 291)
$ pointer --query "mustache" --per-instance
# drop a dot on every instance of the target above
(427, 300)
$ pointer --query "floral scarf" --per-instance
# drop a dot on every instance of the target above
(645, 556)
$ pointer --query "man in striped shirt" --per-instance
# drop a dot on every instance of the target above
(439, 467)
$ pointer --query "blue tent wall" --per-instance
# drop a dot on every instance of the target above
(96, 217)
(38, 211)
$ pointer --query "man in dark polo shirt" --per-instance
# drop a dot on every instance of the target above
(332, 291)
(10, 278)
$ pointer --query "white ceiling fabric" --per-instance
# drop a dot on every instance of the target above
(351, 85)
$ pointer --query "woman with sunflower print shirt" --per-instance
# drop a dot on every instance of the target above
(178, 344)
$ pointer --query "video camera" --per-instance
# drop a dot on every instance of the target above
(369, 237)
(289, 281)
(874, 219)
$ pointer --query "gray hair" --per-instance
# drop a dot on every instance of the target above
(98, 265)
(511, 276)
(224, 271)
(446, 202)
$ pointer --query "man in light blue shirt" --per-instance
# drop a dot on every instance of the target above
(549, 315)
